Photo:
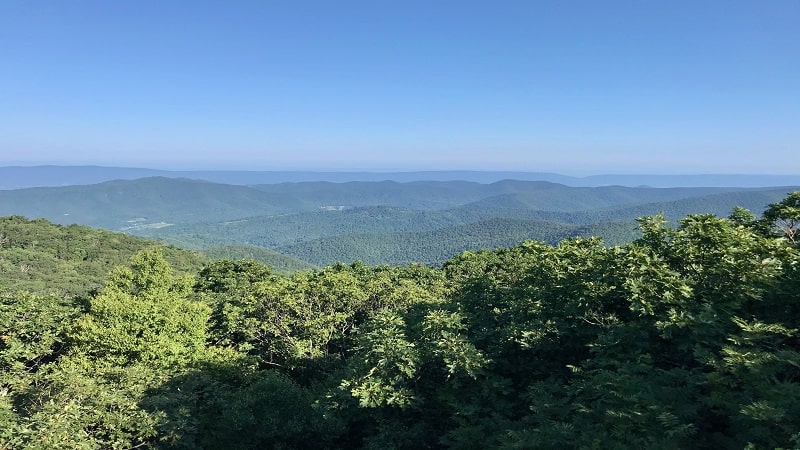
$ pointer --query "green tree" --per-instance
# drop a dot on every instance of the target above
(32, 336)
(144, 315)
(139, 331)
(785, 216)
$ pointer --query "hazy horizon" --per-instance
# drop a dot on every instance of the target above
(311, 169)
(400, 170)
(581, 88)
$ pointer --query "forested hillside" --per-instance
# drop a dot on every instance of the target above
(158, 201)
(149, 202)
(43, 257)
(398, 235)
(687, 337)
(436, 246)
(320, 223)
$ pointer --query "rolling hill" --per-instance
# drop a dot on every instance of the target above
(318, 223)
(43, 257)
(393, 235)
(148, 202)
(436, 246)
(156, 202)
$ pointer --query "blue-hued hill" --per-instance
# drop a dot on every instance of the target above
(16, 177)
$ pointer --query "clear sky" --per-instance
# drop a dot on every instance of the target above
(567, 86)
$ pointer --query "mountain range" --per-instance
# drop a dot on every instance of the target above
(301, 224)
(16, 177)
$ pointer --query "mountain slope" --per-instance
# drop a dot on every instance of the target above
(436, 195)
(40, 256)
(324, 222)
(721, 204)
(381, 235)
(436, 246)
(157, 201)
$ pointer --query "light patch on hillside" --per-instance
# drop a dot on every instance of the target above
(147, 226)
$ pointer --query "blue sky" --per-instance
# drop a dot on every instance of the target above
(568, 86)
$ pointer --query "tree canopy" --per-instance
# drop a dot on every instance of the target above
(688, 337)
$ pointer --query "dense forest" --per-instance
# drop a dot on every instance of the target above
(42, 257)
(686, 337)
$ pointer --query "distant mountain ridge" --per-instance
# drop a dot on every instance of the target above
(157, 202)
(17, 177)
